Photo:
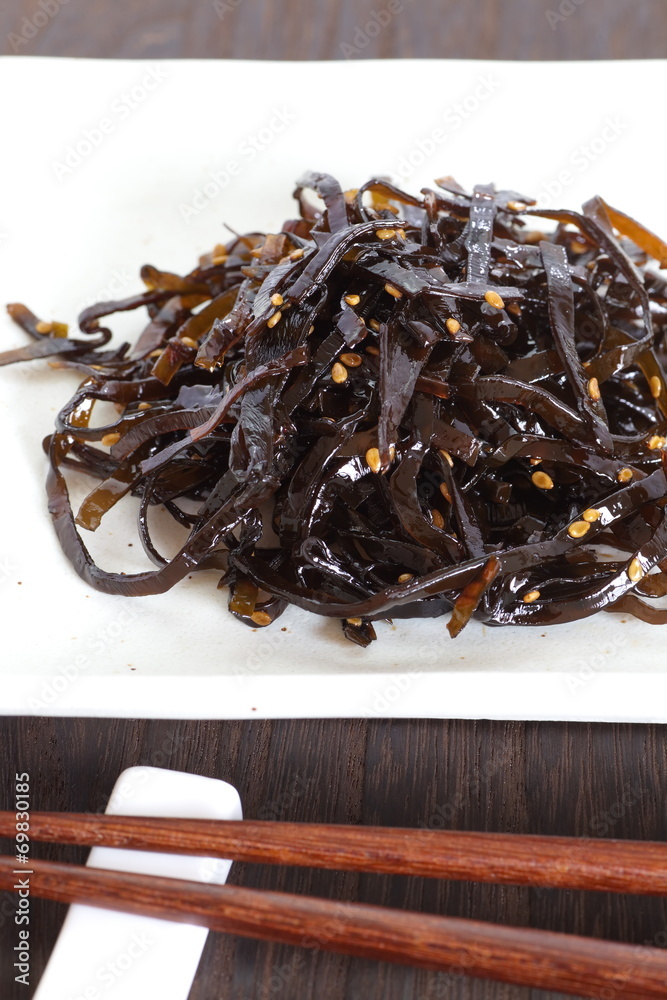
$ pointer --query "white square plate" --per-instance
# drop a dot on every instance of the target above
(108, 165)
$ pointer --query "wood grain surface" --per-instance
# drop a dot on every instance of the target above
(298, 29)
(523, 956)
(596, 863)
(575, 780)
(570, 780)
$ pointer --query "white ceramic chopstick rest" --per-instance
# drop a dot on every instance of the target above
(104, 955)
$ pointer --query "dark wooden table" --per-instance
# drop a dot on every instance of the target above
(296, 29)
(584, 780)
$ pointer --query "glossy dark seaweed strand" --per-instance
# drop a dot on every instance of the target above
(397, 406)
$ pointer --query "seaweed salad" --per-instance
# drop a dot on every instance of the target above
(397, 406)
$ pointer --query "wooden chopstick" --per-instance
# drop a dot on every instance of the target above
(524, 957)
(517, 859)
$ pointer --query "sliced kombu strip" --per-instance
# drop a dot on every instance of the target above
(394, 406)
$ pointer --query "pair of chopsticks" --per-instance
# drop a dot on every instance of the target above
(525, 957)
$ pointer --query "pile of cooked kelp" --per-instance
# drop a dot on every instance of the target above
(395, 407)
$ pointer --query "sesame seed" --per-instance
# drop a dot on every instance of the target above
(385, 234)
(576, 246)
(594, 389)
(297, 254)
(514, 308)
(532, 595)
(405, 578)
(371, 349)
(447, 457)
(578, 528)
(339, 372)
(656, 442)
(401, 233)
(494, 299)
(374, 325)
(655, 386)
(373, 459)
(354, 621)
(219, 259)
(625, 475)
(542, 480)
(534, 237)
(351, 360)
(535, 461)
(453, 325)
(110, 439)
(189, 342)
(437, 518)
(276, 318)
(43, 327)
(392, 290)
(444, 489)
(517, 206)
(352, 300)
(261, 618)
(592, 514)
(635, 570)
(156, 353)
(310, 330)
(144, 406)
(277, 299)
